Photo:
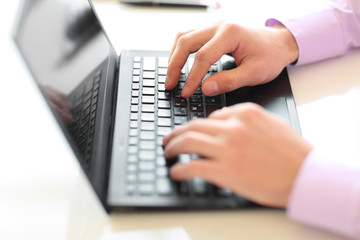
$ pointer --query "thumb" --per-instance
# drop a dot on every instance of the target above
(229, 80)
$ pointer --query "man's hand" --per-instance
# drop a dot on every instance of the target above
(245, 149)
(260, 55)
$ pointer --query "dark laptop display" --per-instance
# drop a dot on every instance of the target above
(114, 110)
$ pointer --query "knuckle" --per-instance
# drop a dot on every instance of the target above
(188, 139)
(231, 28)
(202, 57)
(235, 127)
(252, 111)
(183, 40)
(196, 124)
(180, 34)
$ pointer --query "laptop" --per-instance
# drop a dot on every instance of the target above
(114, 110)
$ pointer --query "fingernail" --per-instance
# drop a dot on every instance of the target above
(210, 88)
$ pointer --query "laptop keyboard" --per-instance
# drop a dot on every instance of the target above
(154, 113)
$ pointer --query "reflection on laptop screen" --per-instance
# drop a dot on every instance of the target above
(67, 54)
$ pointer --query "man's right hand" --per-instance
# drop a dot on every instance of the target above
(260, 55)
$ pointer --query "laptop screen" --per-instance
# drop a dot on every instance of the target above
(68, 53)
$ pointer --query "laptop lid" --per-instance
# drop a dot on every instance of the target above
(74, 66)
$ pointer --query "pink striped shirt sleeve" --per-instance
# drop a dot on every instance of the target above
(326, 192)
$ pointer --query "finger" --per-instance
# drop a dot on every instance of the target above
(193, 142)
(185, 45)
(205, 126)
(176, 42)
(211, 52)
(244, 75)
(204, 169)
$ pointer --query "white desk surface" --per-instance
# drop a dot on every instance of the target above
(43, 194)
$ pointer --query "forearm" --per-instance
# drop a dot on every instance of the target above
(326, 32)
(326, 194)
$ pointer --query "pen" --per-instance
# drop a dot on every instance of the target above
(171, 4)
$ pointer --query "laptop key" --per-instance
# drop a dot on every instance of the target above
(147, 156)
(148, 91)
(135, 86)
(196, 99)
(146, 189)
(147, 145)
(146, 166)
(134, 101)
(132, 159)
(149, 63)
(133, 141)
(133, 124)
(136, 79)
(180, 120)
(161, 161)
(224, 192)
(183, 188)
(131, 168)
(148, 75)
(163, 62)
(147, 135)
(135, 93)
(163, 131)
(148, 99)
(146, 177)
(164, 113)
(161, 79)
(164, 95)
(164, 122)
(162, 71)
(180, 102)
(196, 115)
(148, 126)
(148, 83)
(163, 186)
(130, 178)
(147, 117)
(150, 108)
(213, 100)
(196, 107)
(130, 188)
(161, 87)
(199, 186)
(180, 111)
(162, 172)
(164, 104)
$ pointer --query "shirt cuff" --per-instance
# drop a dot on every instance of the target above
(318, 35)
(326, 194)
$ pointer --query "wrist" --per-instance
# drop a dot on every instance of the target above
(288, 41)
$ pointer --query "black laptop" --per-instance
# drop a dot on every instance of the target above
(114, 110)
